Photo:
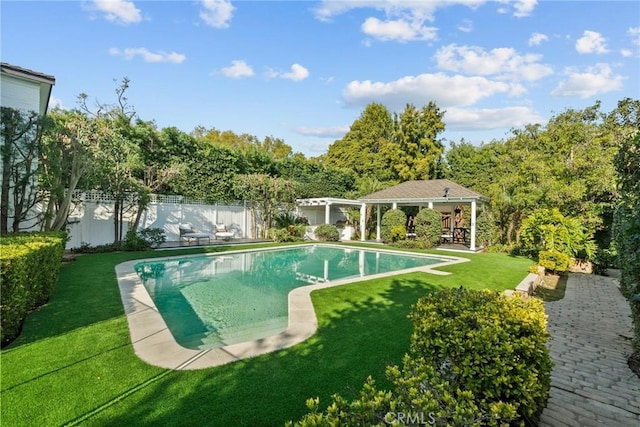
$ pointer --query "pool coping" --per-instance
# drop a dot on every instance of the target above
(153, 342)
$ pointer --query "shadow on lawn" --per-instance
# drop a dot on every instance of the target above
(361, 338)
(86, 293)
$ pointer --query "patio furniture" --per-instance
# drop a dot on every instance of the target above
(223, 233)
(189, 233)
(446, 238)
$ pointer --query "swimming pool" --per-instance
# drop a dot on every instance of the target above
(211, 301)
(160, 338)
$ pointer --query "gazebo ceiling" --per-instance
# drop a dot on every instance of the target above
(435, 190)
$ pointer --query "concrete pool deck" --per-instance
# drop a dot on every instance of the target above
(153, 342)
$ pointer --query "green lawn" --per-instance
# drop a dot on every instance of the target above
(74, 362)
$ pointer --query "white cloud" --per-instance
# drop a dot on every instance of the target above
(121, 12)
(444, 90)
(634, 33)
(524, 7)
(55, 102)
(521, 8)
(217, 13)
(591, 42)
(466, 26)
(148, 56)
(297, 73)
(238, 69)
(398, 29)
(595, 80)
(404, 19)
(320, 132)
(537, 38)
(423, 9)
(466, 119)
(505, 62)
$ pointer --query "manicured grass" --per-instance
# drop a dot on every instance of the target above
(74, 361)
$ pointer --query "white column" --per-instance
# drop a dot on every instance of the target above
(378, 220)
(327, 213)
(394, 205)
(430, 205)
(473, 225)
(452, 221)
(363, 221)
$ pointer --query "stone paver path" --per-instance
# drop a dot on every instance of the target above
(591, 384)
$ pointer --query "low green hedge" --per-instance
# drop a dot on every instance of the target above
(429, 226)
(327, 233)
(29, 267)
(392, 225)
(476, 358)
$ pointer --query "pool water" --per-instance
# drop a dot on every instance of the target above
(211, 301)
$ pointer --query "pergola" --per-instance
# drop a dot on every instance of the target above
(436, 193)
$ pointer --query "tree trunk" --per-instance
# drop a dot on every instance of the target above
(4, 197)
(510, 230)
(116, 221)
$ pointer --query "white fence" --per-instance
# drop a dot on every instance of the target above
(91, 218)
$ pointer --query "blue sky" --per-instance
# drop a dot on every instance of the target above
(303, 71)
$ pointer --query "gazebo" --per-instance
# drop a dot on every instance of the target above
(440, 194)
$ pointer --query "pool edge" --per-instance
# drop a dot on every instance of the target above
(153, 342)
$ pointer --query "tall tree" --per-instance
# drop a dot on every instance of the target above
(362, 149)
(267, 195)
(416, 148)
(67, 154)
(21, 132)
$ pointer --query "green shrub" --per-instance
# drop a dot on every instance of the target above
(429, 226)
(285, 219)
(398, 232)
(133, 242)
(554, 261)
(486, 343)
(327, 232)
(291, 233)
(86, 248)
(29, 267)
(153, 236)
(143, 239)
(476, 358)
(392, 218)
(410, 244)
(549, 230)
(485, 229)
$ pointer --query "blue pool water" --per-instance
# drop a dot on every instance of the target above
(211, 301)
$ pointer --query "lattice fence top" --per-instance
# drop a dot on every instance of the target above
(101, 196)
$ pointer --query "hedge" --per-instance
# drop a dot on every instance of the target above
(327, 233)
(29, 267)
(476, 358)
(429, 226)
(393, 225)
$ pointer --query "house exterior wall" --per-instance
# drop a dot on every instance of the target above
(20, 94)
(24, 90)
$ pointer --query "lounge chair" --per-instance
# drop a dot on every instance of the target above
(189, 233)
(223, 233)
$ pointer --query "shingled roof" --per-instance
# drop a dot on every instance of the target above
(14, 70)
(424, 191)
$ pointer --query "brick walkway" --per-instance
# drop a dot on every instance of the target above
(591, 384)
